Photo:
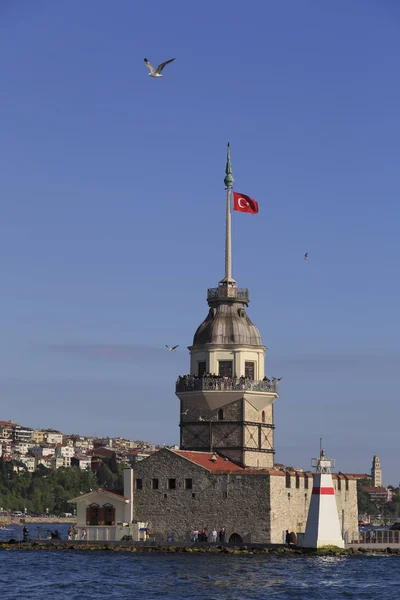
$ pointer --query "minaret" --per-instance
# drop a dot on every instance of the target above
(227, 403)
(376, 472)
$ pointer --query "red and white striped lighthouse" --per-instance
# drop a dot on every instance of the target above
(323, 527)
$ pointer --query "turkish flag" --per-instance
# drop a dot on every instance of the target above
(244, 203)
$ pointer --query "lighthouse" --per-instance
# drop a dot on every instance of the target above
(323, 527)
(226, 401)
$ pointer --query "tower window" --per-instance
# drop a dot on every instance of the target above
(139, 484)
(188, 484)
(263, 416)
(249, 370)
(306, 482)
(225, 368)
(297, 481)
(201, 368)
(220, 415)
(155, 484)
(288, 482)
(172, 484)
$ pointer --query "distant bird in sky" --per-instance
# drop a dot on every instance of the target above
(186, 412)
(306, 256)
(157, 72)
(201, 419)
(171, 348)
(276, 378)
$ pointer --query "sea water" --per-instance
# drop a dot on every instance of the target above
(87, 575)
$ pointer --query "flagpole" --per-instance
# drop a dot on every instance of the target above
(228, 230)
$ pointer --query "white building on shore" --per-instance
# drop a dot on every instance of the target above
(106, 516)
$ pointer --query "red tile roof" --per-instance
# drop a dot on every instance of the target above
(203, 459)
(112, 493)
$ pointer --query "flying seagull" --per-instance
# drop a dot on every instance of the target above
(173, 348)
(277, 378)
(201, 419)
(185, 412)
(306, 256)
(157, 72)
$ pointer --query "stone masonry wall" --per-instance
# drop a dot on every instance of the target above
(221, 500)
(289, 506)
(257, 506)
(229, 432)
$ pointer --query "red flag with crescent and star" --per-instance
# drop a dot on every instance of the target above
(244, 203)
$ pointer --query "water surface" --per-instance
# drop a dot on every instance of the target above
(70, 575)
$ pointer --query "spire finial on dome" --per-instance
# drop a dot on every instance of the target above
(228, 281)
(228, 170)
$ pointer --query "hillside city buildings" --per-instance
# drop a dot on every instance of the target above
(54, 449)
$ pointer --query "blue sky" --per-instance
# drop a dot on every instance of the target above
(112, 211)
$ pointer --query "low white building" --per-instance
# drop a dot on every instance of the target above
(41, 451)
(83, 462)
(106, 516)
(83, 446)
(29, 462)
(64, 450)
(58, 461)
(22, 447)
(54, 437)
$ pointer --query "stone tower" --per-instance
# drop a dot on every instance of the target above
(226, 404)
(376, 472)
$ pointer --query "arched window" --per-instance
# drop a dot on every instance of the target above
(109, 514)
(263, 416)
(93, 514)
(220, 415)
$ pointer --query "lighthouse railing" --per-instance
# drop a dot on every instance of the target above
(193, 384)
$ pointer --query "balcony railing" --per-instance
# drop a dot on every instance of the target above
(224, 384)
(228, 292)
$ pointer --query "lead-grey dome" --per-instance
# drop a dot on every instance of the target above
(227, 324)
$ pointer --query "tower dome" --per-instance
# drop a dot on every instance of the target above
(227, 323)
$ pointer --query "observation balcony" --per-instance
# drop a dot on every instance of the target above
(224, 384)
(224, 292)
(213, 392)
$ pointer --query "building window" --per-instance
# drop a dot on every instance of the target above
(297, 481)
(109, 514)
(193, 495)
(306, 482)
(93, 514)
(249, 370)
(288, 483)
(339, 484)
(154, 484)
(347, 485)
(220, 415)
(263, 416)
(139, 484)
(172, 484)
(188, 484)
(225, 368)
(201, 368)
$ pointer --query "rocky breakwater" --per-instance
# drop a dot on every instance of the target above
(9, 520)
(84, 546)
